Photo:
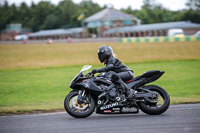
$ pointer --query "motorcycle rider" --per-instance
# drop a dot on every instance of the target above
(121, 72)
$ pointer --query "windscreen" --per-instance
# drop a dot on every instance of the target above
(86, 67)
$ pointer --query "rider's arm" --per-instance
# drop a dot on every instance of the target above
(109, 65)
(106, 68)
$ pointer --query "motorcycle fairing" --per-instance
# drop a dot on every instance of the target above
(90, 85)
(145, 78)
(117, 109)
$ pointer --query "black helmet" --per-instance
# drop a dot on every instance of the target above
(104, 52)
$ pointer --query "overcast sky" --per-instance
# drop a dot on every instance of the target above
(118, 4)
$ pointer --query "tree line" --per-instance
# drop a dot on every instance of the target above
(45, 15)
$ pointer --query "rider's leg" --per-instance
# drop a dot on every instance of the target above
(117, 80)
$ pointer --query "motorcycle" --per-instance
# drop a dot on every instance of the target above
(98, 93)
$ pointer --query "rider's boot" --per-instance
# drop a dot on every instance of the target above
(130, 92)
(117, 80)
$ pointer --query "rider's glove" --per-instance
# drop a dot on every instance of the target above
(95, 71)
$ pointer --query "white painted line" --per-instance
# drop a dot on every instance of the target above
(42, 114)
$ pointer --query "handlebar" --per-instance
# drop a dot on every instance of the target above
(90, 74)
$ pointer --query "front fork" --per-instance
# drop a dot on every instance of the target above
(82, 98)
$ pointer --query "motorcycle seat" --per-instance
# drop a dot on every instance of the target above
(128, 81)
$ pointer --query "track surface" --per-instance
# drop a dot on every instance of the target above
(177, 119)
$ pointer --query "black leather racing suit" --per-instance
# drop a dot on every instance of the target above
(114, 64)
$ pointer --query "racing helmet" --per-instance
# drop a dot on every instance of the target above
(104, 52)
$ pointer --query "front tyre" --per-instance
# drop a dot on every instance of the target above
(156, 105)
(78, 110)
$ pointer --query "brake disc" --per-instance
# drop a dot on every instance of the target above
(78, 106)
(155, 98)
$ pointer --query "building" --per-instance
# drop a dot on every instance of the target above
(113, 23)
(156, 29)
(107, 19)
(58, 34)
(99, 22)
(13, 30)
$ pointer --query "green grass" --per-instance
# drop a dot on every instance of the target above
(46, 88)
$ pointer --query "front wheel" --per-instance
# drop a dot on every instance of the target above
(157, 105)
(78, 110)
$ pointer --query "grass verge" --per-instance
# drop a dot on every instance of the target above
(43, 55)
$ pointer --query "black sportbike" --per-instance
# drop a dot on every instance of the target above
(98, 93)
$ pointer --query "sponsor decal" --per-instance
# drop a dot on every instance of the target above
(107, 111)
(116, 109)
(99, 102)
(127, 109)
(109, 106)
(84, 80)
(109, 81)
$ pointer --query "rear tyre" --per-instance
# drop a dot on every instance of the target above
(154, 107)
(78, 110)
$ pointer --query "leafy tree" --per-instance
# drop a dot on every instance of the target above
(45, 15)
(192, 13)
(193, 4)
(40, 12)
(152, 12)
(67, 9)
(4, 15)
(24, 14)
(189, 15)
(50, 22)
(89, 8)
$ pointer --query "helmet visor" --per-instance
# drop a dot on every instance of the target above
(100, 56)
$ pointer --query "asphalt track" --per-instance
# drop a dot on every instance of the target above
(177, 119)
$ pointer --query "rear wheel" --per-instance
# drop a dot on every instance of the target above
(78, 110)
(156, 105)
